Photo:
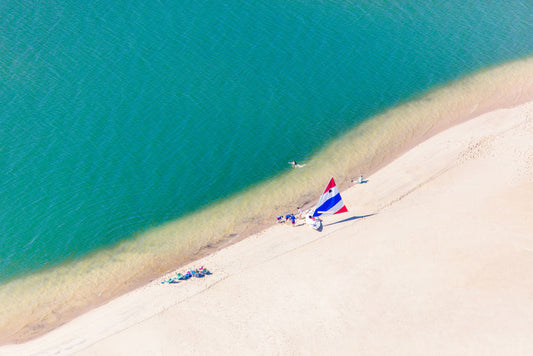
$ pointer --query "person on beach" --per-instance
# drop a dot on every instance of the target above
(204, 270)
(300, 213)
(280, 219)
(293, 219)
(360, 180)
(288, 218)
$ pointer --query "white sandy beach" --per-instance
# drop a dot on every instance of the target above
(435, 257)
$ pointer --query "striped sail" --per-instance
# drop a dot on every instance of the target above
(330, 201)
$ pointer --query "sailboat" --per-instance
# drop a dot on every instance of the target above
(330, 203)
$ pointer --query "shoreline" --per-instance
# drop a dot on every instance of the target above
(392, 280)
(251, 229)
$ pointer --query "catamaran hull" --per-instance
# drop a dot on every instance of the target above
(314, 223)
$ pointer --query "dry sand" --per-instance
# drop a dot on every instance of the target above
(434, 257)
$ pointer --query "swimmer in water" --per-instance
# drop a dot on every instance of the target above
(296, 165)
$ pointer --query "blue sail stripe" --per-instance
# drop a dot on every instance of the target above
(327, 205)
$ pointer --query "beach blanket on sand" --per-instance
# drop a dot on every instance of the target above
(198, 273)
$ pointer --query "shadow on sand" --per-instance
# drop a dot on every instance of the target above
(350, 218)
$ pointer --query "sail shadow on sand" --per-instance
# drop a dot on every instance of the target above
(349, 219)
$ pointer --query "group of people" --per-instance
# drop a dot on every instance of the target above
(198, 273)
(289, 217)
(314, 222)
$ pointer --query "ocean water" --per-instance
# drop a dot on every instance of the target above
(134, 133)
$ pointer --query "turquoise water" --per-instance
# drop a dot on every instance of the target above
(121, 116)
